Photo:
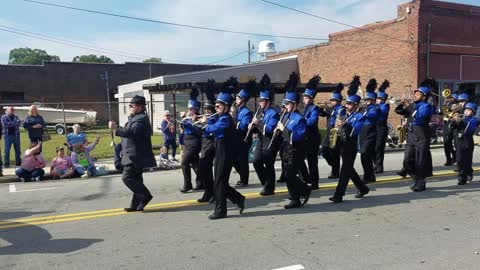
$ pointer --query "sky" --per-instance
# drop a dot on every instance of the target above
(134, 41)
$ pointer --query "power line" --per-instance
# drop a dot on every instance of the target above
(225, 59)
(76, 44)
(330, 20)
(176, 24)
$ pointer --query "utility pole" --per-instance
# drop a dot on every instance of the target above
(249, 51)
(429, 30)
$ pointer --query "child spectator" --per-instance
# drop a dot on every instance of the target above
(81, 159)
(32, 164)
(61, 165)
(164, 161)
(76, 137)
(163, 153)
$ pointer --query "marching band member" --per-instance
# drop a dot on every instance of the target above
(294, 148)
(207, 152)
(312, 136)
(465, 128)
(243, 116)
(264, 159)
(222, 128)
(448, 136)
(350, 130)
(382, 127)
(417, 147)
(332, 155)
(193, 144)
(368, 136)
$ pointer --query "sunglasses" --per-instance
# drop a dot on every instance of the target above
(217, 106)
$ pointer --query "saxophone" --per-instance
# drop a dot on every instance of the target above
(335, 131)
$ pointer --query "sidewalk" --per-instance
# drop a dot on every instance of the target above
(9, 173)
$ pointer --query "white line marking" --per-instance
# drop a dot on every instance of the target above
(292, 267)
(12, 188)
(39, 189)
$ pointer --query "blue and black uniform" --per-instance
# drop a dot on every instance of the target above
(332, 156)
(243, 117)
(351, 129)
(222, 129)
(368, 138)
(464, 130)
(190, 156)
(382, 134)
(205, 164)
(264, 159)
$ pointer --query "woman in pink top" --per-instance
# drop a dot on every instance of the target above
(32, 164)
(61, 165)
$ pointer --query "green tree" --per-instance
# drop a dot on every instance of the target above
(153, 60)
(92, 58)
(27, 56)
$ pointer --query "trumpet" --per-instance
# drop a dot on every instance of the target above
(392, 100)
(204, 119)
(446, 93)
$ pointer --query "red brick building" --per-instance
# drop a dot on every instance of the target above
(428, 38)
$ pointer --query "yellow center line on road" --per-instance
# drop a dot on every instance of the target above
(15, 223)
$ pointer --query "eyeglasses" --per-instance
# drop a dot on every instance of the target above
(217, 106)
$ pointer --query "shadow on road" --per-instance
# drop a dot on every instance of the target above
(21, 214)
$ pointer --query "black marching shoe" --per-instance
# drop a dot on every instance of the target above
(212, 200)
(267, 193)
(213, 216)
(469, 178)
(378, 171)
(241, 184)
(418, 187)
(402, 174)
(186, 189)
(373, 180)
(144, 203)
(198, 188)
(361, 194)
(448, 163)
(204, 199)
(462, 182)
(293, 204)
(130, 209)
(306, 197)
(281, 180)
(336, 199)
(333, 175)
(241, 205)
(314, 187)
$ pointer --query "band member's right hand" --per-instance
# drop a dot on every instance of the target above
(250, 126)
(183, 114)
(254, 121)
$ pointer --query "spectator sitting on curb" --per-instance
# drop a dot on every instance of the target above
(61, 165)
(164, 161)
(81, 159)
(32, 164)
(76, 137)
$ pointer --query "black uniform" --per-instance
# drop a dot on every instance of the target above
(464, 145)
(207, 155)
(137, 155)
(243, 117)
(417, 159)
(448, 138)
(332, 156)
(382, 134)
(368, 138)
(222, 128)
(348, 149)
(190, 157)
(313, 139)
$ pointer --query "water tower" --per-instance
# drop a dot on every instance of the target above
(265, 48)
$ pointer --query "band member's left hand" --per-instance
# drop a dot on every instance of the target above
(254, 121)
(112, 125)
(280, 126)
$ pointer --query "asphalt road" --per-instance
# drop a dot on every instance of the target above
(77, 224)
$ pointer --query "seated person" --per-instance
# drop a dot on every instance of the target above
(81, 159)
(163, 153)
(32, 164)
(61, 165)
(76, 137)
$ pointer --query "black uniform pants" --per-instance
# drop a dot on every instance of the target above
(382, 134)
(240, 160)
(205, 166)
(448, 139)
(332, 156)
(368, 138)
(264, 161)
(293, 156)
(418, 161)
(313, 145)
(133, 179)
(347, 172)
(222, 189)
(464, 157)
(190, 160)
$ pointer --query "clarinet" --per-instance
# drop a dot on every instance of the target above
(250, 129)
(275, 131)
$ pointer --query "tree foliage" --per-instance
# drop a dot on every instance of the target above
(92, 58)
(27, 56)
(153, 60)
